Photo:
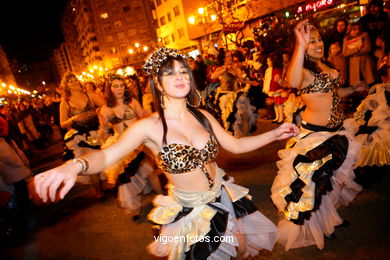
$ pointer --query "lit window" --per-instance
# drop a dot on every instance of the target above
(117, 24)
(166, 40)
(132, 32)
(176, 10)
(109, 38)
(162, 21)
(181, 32)
(107, 27)
(104, 15)
(120, 35)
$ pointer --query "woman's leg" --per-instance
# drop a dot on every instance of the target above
(276, 113)
(280, 112)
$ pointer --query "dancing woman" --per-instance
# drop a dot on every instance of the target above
(316, 169)
(185, 140)
(78, 115)
(120, 112)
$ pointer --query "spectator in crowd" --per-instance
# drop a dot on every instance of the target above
(271, 86)
(27, 127)
(382, 54)
(375, 21)
(337, 59)
(202, 71)
(14, 168)
(92, 91)
(197, 74)
(9, 115)
(357, 47)
(336, 34)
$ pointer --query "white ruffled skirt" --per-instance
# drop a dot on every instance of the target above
(187, 219)
(319, 211)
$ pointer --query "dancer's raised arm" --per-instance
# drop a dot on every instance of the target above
(295, 73)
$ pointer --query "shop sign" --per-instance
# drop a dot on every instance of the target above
(314, 6)
(234, 27)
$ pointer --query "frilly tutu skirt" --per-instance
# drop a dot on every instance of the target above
(131, 174)
(315, 177)
(371, 123)
(205, 224)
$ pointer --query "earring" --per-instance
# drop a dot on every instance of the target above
(162, 99)
(306, 57)
(199, 99)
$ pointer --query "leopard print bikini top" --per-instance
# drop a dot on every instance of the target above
(325, 83)
(180, 158)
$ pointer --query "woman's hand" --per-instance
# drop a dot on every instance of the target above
(62, 179)
(302, 33)
(286, 130)
(360, 86)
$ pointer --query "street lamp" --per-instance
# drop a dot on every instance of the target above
(201, 10)
(191, 20)
(131, 51)
(145, 48)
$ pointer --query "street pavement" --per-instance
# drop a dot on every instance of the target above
(82, 227)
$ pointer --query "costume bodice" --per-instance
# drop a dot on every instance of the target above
(179, 158)
(90, 123)
(129, 114)
(325, 83)
(76, 111)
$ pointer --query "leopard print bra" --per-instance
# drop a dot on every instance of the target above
(180, 158)
(325, 83)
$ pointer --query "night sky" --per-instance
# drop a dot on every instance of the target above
(30, 29)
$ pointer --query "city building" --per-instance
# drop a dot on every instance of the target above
(61, 60)
(172, 24)
(106, 34)
(6, 75)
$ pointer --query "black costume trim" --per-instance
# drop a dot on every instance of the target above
(338, 147)
(218, 224)
(131, 169)
(317, 128)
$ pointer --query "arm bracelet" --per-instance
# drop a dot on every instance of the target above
(84, 165)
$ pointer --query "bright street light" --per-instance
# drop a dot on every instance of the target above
(191, 20)
(145, 48)
(201, 10)
(213, 17)
(131, 51)
(136, 44)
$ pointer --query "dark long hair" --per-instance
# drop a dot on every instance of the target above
(109, 96)
(64, 85)
(193, 98)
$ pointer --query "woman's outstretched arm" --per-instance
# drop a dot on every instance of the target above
(249, 143)
(61, 179)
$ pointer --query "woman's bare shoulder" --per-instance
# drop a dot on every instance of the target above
(151, 121)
